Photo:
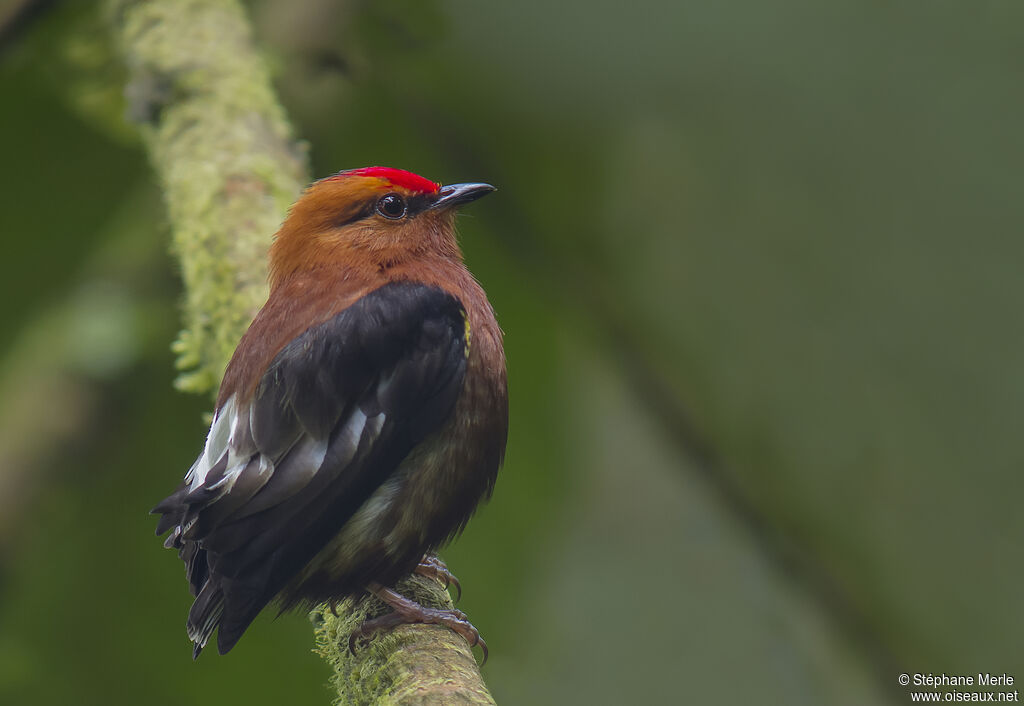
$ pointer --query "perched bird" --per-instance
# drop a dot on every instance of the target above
(360, 421)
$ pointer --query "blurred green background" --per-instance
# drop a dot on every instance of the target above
(758, 268)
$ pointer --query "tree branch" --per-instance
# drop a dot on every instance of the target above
(222, 148)
(411, 664)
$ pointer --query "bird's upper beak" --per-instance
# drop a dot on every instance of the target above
(456, 194)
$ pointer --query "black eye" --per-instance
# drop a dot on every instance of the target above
(391, 206)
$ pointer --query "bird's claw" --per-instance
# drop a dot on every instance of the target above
(408, 612)
(433, 568)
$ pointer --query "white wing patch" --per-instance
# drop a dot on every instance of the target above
(230, 454)
(355, 426)
(229, 434)
(216, 444)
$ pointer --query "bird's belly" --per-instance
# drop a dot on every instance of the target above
(429, 497)
(425, 502)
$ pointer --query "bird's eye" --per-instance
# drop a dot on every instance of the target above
(391, 206)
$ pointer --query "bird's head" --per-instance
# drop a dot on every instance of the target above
(371, 217)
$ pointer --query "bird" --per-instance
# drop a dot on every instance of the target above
(360, 421)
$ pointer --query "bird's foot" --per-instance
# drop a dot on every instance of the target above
(409, 612)
(433, 568)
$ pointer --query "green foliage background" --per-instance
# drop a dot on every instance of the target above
(758, 265)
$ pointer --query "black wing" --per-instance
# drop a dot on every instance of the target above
(334, 415)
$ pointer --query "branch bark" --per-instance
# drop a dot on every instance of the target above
(222, 148)
(411, 664)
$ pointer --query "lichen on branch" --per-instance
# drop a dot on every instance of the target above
(223, 150)
(409, 665)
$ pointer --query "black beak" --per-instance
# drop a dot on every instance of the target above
(457, 194)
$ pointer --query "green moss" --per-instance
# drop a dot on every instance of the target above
(412, 664)
(225, 157)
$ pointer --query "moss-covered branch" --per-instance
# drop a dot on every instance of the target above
(412, 664)
(220, 143)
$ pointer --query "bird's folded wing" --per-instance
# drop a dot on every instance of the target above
(332, 417)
